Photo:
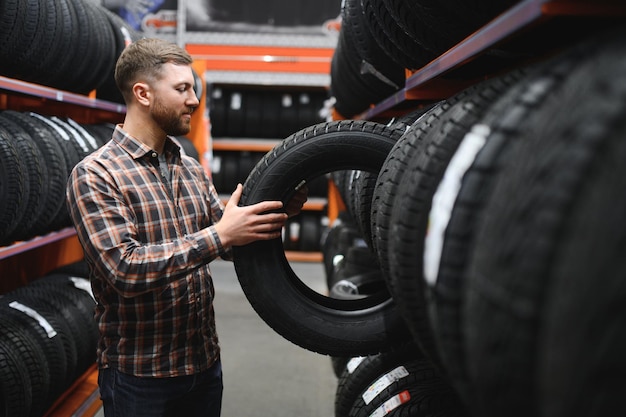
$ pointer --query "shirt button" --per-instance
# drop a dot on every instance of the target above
(198, 300)
(154, 154)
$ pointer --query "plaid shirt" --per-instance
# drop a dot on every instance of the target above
(148, 242)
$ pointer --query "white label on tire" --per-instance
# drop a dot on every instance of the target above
(82, 284)
(235, 101)
(88, 136)
(33, 314)
(77, 136)
(391, 404)
(50, 123)
(445, 196)
(384, 382)
(354, 363)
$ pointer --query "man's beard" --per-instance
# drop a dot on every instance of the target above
(170, 121)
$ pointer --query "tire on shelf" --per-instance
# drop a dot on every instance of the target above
(403, 49)
(56, 163)
(13, 187)
(355, 86)
(15, 385)
(62, 316)
(295, 311)
(76, 304)
(367, 383)
(390, 177)
(43, 327)
(551, 239)
(409, 220)
(311, 232)
(456, 212)
(35, 191)
(70, 151)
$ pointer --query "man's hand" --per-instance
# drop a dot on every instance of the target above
(294, 206)
(242, 225)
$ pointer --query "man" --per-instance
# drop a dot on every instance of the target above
(150, 221)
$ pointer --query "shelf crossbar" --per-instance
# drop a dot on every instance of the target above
(25, 246)
(40, 91)
(513, 20)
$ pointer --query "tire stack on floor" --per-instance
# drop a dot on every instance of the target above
(496, 233)
(48, 339)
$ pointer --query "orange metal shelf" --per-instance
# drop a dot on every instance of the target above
(263, 58)
(427, 84)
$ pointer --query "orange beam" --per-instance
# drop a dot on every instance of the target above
(199, 134)
(263, 58)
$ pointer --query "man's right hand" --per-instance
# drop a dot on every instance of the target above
(242, 225)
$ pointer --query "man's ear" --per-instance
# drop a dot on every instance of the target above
(142, 94)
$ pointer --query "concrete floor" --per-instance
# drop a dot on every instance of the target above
(264, 374)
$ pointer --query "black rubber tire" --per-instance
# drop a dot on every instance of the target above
(301, 315)
(354, 87)
(405, 50)
(57, 172)
(339, 364)
(391, 174)
(235, 113)
(356, 259)
(53, 347)
(526, 241)
(356, 27)
(580, 360)
(334, 245)
(409, 220)
(33, 362)
(123, 35)
(77, 307)
(310, 231)
(15, 385)
(70, 151)
(79, 269)
(61, 315)
(358, 286)
(218, 105)
(377, 378)
(37, 188)
(491, 141)
(13, 187)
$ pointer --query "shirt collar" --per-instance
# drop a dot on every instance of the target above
(137, 149)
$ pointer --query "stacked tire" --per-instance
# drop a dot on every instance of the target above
(379, 39)
(238, 113)
(496, 224)
(38, 153)
(71, 45)
(48, 339)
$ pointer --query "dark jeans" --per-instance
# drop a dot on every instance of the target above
(125, 395)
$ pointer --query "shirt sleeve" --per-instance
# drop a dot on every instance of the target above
(105, 228)
(217, 209)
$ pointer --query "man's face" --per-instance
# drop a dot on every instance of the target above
(174, 99)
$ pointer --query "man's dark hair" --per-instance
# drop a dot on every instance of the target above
(142, 60)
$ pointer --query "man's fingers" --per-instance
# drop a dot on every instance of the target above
(235, 196)
(264, 206)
